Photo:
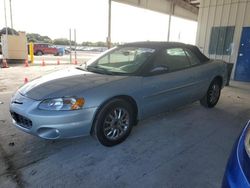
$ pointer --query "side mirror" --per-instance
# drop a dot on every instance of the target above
(160, 69)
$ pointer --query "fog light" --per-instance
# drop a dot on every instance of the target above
(48, 133)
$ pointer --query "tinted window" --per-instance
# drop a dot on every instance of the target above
(194, 60)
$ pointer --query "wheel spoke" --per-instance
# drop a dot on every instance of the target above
(114, 133)
(115, 114)
(111, 117)
(119, 113)
(107, 128)
(124, 126)
(107, 122)
(116, 123)
(121, 130)
(109, 133)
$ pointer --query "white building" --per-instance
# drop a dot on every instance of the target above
(224, 33)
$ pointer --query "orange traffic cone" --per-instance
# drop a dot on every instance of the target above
(4, 64)
(26, 63)
(26, 80)
(43, 63)
(58, 62)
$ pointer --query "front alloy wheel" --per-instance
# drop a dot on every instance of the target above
(114, 122)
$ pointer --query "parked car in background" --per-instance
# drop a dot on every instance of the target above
(67, 50)
(44, 48)
(60, 51)
(125, 84)
(237, 174)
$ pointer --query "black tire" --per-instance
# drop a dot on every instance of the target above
(108, 123)
(58, 54)
(39, 53)
(213, 94)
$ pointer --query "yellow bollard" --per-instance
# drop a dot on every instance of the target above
(31, 49)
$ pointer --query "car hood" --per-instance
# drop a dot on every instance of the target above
(69, 82)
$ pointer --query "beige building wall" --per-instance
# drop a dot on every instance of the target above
(222, 13)
(15, 47)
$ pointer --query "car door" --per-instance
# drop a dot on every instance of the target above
(200, 73)
(51, 49)
(45, 48)
(166, 90)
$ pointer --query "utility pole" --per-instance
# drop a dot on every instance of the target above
(75, 44)
(11, 20)
(6, 29)
(6, 53)
(70, 57)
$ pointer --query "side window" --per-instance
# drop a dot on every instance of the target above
(194, 60)
(176, 59)
(173, 59)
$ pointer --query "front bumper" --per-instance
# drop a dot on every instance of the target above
(237, 171)
(49, 124)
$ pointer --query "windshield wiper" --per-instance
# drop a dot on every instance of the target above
(98, 69)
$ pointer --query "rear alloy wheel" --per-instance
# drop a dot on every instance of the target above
(114, 122)
(212, 96)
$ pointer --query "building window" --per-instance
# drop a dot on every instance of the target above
(221, 40)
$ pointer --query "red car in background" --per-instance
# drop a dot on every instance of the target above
(43, 48)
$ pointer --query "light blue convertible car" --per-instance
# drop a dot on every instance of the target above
(120, 87)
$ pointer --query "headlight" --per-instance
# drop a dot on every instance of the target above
(65, 103)
(247, 140)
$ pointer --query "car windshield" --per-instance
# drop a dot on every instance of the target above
(121, 60)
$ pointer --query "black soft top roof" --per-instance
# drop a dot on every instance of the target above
(160, 45)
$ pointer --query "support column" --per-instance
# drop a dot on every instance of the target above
(170, 17)
(109, 25)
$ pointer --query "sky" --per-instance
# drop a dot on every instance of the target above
(54, 18)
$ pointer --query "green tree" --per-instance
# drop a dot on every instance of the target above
(62, 41)
(100, 44)
(34, 37)
(87, 43)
